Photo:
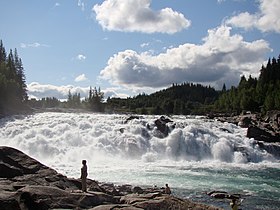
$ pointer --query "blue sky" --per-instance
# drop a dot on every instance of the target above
(127, 47)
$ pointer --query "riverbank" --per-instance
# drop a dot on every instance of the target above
(265, 128)
(25, 183)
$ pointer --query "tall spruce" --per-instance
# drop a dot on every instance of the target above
(13, 91)
(254, 94)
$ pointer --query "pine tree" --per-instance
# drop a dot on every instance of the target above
(12, 80)
(224, 89)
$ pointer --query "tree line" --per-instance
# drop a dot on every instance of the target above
(94, 101)
(186, 98)
(13, 92)
(253, 94)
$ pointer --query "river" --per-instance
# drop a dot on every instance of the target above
(198, 155)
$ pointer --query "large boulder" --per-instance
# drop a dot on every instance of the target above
(162, 126)
(262, 134)
(16, 163)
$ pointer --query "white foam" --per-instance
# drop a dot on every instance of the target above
(62, 140)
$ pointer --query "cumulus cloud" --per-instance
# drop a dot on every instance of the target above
(33, 45)
(222, 58)
(267, 19)
(81, 78)
(137, 15)
(38, 91)
(114, 93)
(81, 57)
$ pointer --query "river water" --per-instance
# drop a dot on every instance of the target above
(198, 155)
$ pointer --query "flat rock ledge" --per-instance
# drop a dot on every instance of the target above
(27, 184)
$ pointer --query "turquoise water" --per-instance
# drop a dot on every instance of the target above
(258, 184)
(197, 156)
(260, 188)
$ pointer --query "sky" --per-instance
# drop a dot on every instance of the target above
(127, 47)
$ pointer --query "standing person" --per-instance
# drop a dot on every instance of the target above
(84, 175)
(167, 189)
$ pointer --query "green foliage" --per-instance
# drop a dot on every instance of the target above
(95, 100)
(185, 98)
(13, 91)
(251, 94)
(260, 94)
(74, 101)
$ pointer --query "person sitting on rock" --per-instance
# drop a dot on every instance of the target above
(234, 204)
(167, 189)
(84, 175)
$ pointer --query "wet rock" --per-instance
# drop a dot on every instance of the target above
(159, 201)
(218, 194)
(272, 148)
(223, 195)
(138, 190)
(262, 128)
(261, 134)
(116, 207)
(109, 188)
(124, 189)
(225, 130)
(162, 126)
(245, 122)
(94, 186)
(132, 118)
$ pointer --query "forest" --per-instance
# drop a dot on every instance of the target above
(13, 92)
(252, 94)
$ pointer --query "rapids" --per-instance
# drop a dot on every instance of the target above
(198, 155)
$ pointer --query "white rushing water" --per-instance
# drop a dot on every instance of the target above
(198, 155)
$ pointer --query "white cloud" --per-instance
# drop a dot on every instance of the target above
(81, 78)
(81, 57)
(222, 58)
(38, 91)
(145, 44)
(81, 4)
(33, 45)
(57, 4)
(114, 93)
(266, 19)
(137, 15)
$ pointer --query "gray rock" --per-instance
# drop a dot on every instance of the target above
(28, 184)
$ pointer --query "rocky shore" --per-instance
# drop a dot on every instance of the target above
(27, 184)
(265, 128)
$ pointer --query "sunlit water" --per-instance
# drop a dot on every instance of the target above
(197, 156)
